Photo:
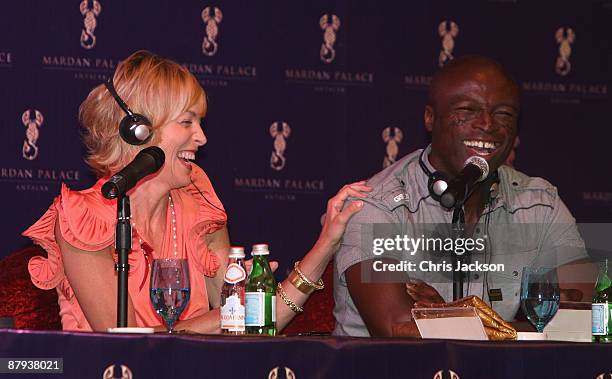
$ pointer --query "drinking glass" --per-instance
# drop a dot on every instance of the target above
(170, 289)
(539, 295)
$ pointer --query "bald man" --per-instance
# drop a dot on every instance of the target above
(472, 110)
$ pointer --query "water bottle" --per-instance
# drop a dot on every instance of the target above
(602, 306)
(233, 294)
(261, 294)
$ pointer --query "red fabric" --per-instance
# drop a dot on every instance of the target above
(30, 307)
(318, 314)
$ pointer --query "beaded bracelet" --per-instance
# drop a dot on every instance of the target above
(293, 306)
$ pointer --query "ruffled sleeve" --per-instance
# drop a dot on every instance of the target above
(208, 217)
(86, 222)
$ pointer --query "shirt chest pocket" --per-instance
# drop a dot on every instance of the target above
(504, 285)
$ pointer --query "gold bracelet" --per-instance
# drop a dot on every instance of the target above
(319, 285)
(295, 279)
(293, 306)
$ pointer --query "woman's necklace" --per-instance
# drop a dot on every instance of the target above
(174, 238)
(147, 250)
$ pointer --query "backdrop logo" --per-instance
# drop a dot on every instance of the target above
(440, 374)
(448, 32)
(565, 38)
(212, 17)
(109, 373)
(32, 120)
(280, 131)
(330, 25)
(289, 374)
(6, 58)
(88, 39)
(392, 137)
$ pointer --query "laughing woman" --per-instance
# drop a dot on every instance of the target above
(175, 212)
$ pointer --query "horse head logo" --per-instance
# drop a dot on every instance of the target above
(88, 39)
(280, 131)
(330, 25)
(32, 120)
(448, 32)
(212, 17)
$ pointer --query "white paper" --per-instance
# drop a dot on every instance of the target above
(460, 328)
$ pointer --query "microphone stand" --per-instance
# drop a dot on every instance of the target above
(123, 245)
(458, 231)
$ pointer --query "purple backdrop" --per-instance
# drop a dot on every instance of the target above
(327, 77)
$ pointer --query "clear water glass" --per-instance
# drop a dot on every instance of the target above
(170, 289)
(539, 295)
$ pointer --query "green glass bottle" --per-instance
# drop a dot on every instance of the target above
(260, 298)
(602, 306)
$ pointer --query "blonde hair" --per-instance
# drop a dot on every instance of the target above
(155, 87)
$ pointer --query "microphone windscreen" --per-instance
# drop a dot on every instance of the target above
(481, 163)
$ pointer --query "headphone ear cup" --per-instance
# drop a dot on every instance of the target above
(135, 129)
(437, 184)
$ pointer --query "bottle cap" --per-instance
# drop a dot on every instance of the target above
(236, 252)
(260, 249)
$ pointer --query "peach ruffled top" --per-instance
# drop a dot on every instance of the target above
(87, 221)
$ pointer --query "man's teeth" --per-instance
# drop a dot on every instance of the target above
(186, 155)
(480, 144)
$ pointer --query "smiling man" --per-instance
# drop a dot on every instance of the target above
(472, 110)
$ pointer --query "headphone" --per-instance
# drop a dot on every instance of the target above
(437, 182)
(134, 128)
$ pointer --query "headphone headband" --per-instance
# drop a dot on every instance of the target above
(134, 128)
(111, 89)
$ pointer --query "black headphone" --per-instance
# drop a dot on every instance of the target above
(437, 182)
(134, 128)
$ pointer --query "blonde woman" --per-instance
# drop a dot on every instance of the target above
(175, 212)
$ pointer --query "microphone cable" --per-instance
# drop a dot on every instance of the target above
(204, 197)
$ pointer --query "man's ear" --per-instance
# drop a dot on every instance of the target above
(428, 118)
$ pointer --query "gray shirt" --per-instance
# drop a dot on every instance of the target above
(525, 224)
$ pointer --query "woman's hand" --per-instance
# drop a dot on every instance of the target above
(337, 215)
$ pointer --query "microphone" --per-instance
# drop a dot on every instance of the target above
(147, 162)
(476, 169)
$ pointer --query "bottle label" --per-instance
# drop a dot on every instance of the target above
(600, 318)
(273, 308)
(232, 315)
(234, 274)
(255, 308)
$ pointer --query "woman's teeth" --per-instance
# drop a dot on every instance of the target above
(186, 155)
